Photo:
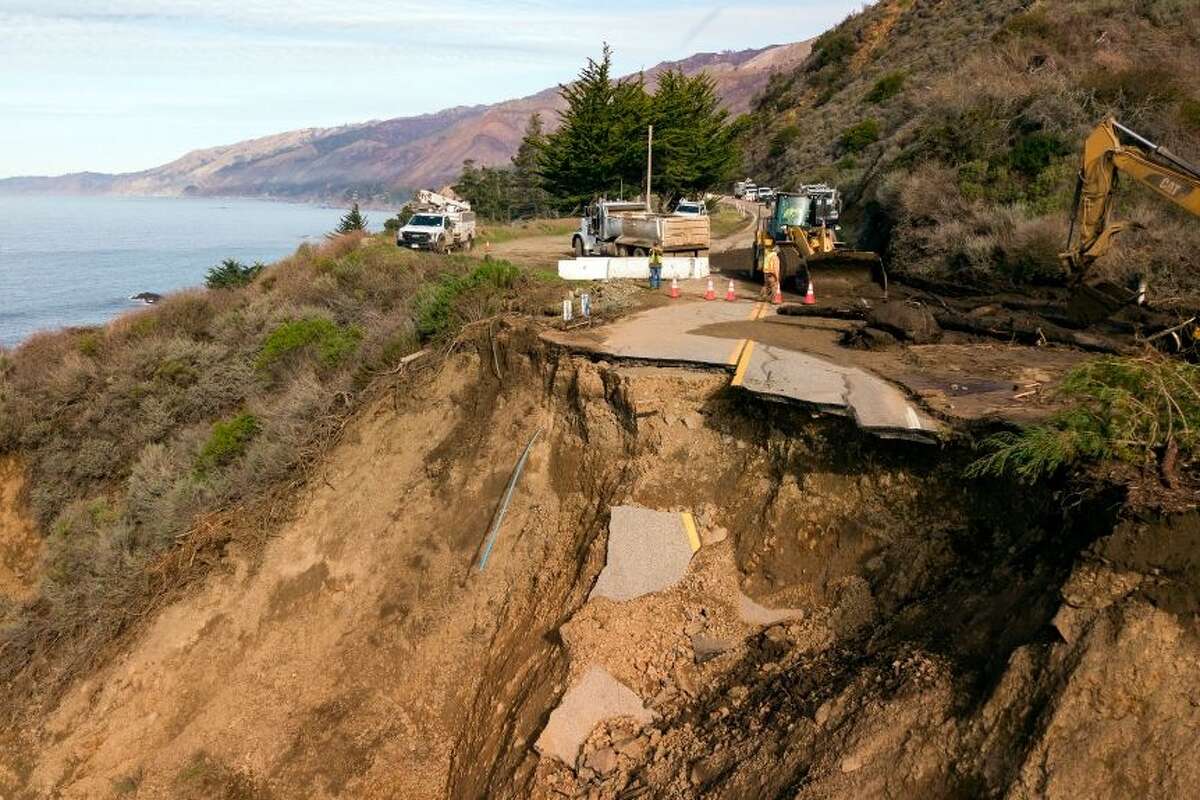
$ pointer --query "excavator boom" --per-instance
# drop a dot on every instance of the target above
(1109, 150)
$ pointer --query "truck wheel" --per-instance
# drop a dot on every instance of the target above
(577, 246)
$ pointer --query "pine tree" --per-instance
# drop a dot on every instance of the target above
(600, 142)
(694, 143)
(352, 221)
(530, 199)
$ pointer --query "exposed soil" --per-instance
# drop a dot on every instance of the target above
(20, 546)
(946, 638)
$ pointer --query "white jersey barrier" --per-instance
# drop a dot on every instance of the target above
(603, 269)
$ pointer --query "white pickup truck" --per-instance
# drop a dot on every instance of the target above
(438, 224)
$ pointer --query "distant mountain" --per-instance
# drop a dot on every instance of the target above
(390, 157)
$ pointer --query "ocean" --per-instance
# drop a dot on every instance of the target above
(78, 260)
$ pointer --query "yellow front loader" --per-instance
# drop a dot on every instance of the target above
(804, 225)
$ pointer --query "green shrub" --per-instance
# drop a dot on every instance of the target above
(1125, 409)
(1033, 153)
(886, 88)
(436, 308)
(783, 138)
(330, 341)
(90, 344)
(231, 273)
(858, 137)
(227, 442)
(832, 49)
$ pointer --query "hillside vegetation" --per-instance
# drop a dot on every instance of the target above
(955, 125)
(134, 434)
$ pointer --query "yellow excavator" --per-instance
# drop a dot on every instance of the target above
(1109, 150)
(803, 225)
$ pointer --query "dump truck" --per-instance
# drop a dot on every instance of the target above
(438, 223)
(804, 225)
(622, 228)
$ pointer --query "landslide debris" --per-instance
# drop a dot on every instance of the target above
(859, 621)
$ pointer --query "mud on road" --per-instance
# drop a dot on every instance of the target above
(944, 638)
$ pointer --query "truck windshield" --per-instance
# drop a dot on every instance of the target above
(792, 209)
(426, 221)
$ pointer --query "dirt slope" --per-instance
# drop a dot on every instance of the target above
(953, 639)
(394, 155)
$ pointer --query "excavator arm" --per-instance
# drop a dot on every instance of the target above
(1109, 150)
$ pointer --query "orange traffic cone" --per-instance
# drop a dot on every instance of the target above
(710, 293)
(674, 294)
(809, 297)
(730, 294)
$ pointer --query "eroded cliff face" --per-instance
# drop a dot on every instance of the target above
(20, 546)
(939, 637)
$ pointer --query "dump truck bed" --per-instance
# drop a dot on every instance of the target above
(670, 233)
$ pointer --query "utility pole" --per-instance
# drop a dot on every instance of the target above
(649, 163)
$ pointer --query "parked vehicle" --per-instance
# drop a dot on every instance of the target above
(620, 228)
(764, 194)
(739, 188)
(691, 208)
(440, 224)
(749, 191)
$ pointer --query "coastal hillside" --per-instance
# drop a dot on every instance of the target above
(955, 126)
(382, 159)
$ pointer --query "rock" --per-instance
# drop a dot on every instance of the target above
(852, 763)
(634, 749)
(914, 323)
(868, 338)
(822, 715)
(602, 761)
(693, 421)
(706, 648)
(596, 697)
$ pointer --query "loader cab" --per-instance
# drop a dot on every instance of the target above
(809, 208)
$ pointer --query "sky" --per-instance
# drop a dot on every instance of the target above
(121, 86)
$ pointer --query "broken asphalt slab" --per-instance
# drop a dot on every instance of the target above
(596, 697)
(648, 551)
(875, 405)
(666, 334)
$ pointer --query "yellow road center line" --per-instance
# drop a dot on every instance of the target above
(689, 527)
(737, 351)
(743, 363)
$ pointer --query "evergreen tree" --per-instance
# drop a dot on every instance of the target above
(530, 199)
(489, 190)
(694, 143)
(231, 273)
(600, 142)
(352, 221)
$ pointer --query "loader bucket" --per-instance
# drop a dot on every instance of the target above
(849, 272)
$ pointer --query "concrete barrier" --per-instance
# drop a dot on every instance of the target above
(603, 269)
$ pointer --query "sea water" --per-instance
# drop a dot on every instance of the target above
(78, 260)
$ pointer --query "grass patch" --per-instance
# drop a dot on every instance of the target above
(461, 298)
(227, 442)
(329, 341)
(497, 234)
(858, 137)
(1126, 409)
(886, 88)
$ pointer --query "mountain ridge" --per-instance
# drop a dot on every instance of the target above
(385, 159)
